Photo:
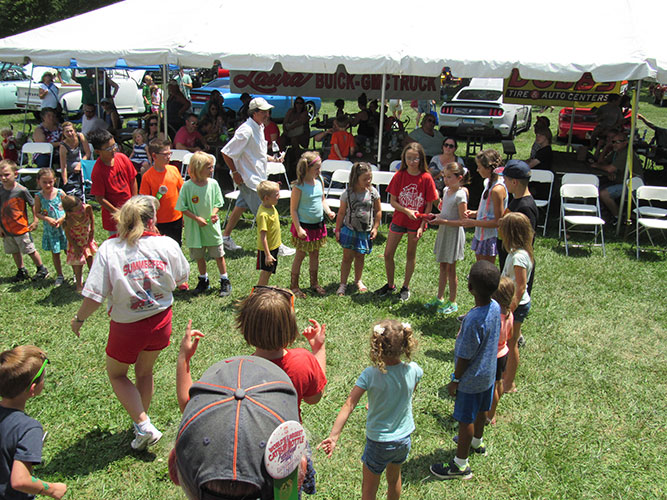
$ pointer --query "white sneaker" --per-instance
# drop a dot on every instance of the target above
(59, 281)
(143, 440)
(284, 251)
(229, 244)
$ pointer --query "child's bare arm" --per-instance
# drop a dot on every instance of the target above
(316, 335)
(459, 370)
(199, 220)
(329, 444)
(268, 258)
(22, 480)
(183, 377)
(340, 218)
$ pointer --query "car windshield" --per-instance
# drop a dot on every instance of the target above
(219, 83)
(480, 95)
(12, 73)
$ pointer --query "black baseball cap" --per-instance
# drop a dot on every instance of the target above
(516, 169)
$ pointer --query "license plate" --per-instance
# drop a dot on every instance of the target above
(469, 120)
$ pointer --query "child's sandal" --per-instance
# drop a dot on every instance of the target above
(361, 287)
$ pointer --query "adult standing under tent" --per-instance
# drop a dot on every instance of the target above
(246, 156)
(184, 83)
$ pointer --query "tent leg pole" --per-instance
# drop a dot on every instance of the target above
(569, 135)
(97, 93)
(27, 99)
(381, 127)
(164, 100)
(627, 172)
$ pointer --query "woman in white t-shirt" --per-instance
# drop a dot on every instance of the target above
(48, 91)
(136, 271)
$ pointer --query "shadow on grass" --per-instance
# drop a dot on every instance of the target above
(648, 255)
(444, 356)
(65, 294)
(239, 254)
(93, 452)
(416, 469)
(577, 250)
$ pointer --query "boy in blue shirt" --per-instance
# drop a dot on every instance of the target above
(475, 370)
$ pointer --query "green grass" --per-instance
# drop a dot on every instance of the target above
(587, 422)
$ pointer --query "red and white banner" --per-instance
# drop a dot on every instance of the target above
(339, 85)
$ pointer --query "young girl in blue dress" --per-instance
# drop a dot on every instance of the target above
(307, 208)
(49, 209)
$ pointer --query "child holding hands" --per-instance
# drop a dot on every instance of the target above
(357, 224)
(268, 230)
(22, 375)
(390, 384)
(307, 208)
(200, 199)
(450, 241)
(79, 229)
(49, 209)
(474, 373)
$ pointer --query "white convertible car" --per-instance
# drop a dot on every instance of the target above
(481, 103)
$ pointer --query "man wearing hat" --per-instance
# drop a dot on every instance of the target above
(230, 415)
(246, 156)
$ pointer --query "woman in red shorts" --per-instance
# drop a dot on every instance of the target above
(136, 271)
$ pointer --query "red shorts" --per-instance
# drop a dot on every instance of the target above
(127, 340)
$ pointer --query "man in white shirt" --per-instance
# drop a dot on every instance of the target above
(245, 155)
(90, 121)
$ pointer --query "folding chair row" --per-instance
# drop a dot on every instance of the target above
(649, 217)
(582, 193)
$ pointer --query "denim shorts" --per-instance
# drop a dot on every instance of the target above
(468, 405)
(395, 228)
(377, 455)
(521, 312)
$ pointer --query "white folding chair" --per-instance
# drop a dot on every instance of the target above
(32, 148)
(277, 168)
(382, 178)
(180, 155)
(582, 192)
(543, 177)
(589, 179)
(395, 165)
(330, 166)
(648, 194)
(341, 176)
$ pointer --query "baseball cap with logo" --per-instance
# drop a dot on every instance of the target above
(233, 409)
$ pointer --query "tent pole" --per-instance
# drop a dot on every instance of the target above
(569, 135)
(627, 172)
(97, 93)
(384, 84)
(164, 100)
(27, 98)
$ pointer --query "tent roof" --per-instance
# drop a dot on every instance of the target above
(484, 38)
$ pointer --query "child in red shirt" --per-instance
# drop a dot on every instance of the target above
(10, 150)
(342, 142)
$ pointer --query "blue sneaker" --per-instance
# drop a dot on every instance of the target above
(451, 471)
(448, 308)
(436, 302)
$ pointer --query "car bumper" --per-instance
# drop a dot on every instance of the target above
(499, 123)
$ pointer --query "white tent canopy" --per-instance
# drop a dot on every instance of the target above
(483, 38)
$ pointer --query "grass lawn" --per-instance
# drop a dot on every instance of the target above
(588, 420)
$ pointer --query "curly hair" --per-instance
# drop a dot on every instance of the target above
(391, 339)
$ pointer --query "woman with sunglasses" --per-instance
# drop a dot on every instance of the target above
(152, 128)
(438, 162)
(136, 272)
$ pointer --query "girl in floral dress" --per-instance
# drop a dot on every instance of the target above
(80, 230)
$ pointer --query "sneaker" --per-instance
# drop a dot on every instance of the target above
(404, 293)
(21, 275)
(42, 273)
(225, 287)
(143, 440)
(385, 290)
(448, 308)
(202, 286)
(436, 302)
(342, 288)
(284, 251)
(183, 287)
(522, 341)
(229, 244)
(480, 450)
(451, 471)
(59, 281)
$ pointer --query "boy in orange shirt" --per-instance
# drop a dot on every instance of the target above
(164, 181)
(342, 142)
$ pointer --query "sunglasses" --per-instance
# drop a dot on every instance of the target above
(39, 373)
(283, 291)
(449, 146)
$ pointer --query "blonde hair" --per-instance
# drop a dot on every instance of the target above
(504, 293)
(517, 233)
(266, 188)
(266, 319)
(18, 366)
(6, 131)
(198, 163)
(133, 217)
(307, 160)
(141, 132)
(10, 164)
(391, 339)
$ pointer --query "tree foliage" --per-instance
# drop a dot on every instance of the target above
(17, 16)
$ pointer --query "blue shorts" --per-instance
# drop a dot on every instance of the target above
(248, 199)
(468, 405)
(395, 228)
(378, 454)
(521, 312)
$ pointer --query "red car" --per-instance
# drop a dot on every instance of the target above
(584, 123)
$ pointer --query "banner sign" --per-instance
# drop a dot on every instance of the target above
(584, 93)
(339, 85)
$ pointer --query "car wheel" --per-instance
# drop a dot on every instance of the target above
(512, 133)
(312, 110)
